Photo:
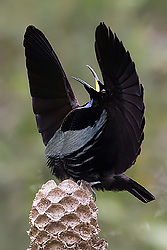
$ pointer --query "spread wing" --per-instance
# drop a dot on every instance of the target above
(124, 94)
(52, 96)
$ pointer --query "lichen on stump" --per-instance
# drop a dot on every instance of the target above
(64, 216)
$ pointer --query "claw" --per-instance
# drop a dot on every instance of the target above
(88, 185)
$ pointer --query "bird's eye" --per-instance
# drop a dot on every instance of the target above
(103, 91)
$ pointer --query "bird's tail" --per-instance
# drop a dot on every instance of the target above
(122, 182)
(138, 191)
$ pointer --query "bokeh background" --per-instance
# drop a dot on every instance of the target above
(126, 223)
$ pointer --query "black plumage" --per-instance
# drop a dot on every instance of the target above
(99, 141)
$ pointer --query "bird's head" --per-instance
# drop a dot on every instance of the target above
(96, 94)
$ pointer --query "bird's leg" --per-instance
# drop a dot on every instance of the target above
(89, 186)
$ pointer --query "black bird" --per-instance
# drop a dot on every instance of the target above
(99, 141)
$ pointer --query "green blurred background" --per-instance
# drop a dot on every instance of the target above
(126, 223)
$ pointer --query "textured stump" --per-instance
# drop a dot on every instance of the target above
(64, 217)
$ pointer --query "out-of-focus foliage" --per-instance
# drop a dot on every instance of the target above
(126, 223)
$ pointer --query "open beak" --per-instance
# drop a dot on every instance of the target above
(96, 78)
(86, 85)
(89, 88)
(92, 92)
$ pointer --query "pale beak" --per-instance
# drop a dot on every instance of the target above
(96, 78)
(89, 88)
(83, 82)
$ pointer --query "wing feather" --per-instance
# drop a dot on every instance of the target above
(52, 96)
(124, 97)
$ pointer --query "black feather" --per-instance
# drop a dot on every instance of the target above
(52, 96)
(99, 141)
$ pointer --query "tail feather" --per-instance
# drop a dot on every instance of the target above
(139, 192)
(122, 182)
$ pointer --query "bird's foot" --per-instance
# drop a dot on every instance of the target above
(89, 186)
